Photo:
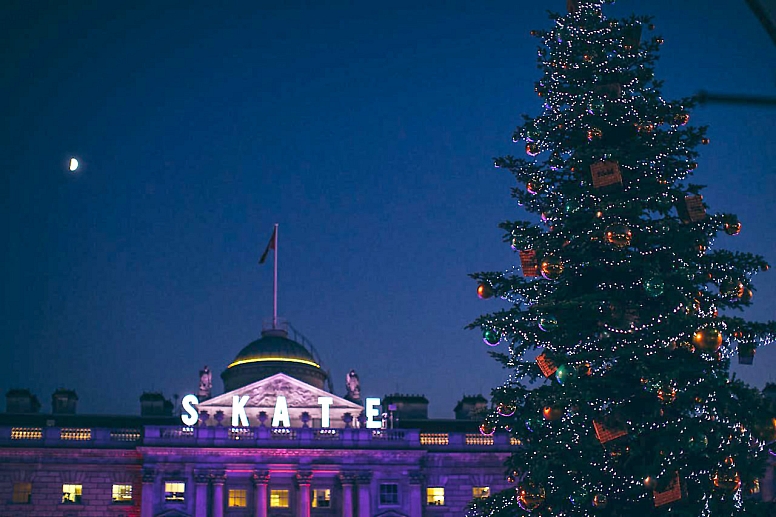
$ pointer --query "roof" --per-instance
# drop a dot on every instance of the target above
(274, 346)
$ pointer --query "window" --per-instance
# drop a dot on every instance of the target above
(238, 498)
(71, 494)
(389, 493)
(122, 494)
(435, 496)
(174, 491)
(22, 493)
(278, 498)
(480, 492)
(321, 498)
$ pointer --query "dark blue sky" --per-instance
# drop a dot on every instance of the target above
(366, 132)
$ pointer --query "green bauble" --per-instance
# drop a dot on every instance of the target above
(565, 373)
(548, 323)
(570, 206)
(579, 497)
(597, 106)
(654, 286)
(491, 337)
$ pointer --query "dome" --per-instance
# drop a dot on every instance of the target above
(274, 345)
(273, 353)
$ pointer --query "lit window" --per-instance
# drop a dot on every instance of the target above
(278, 498)
(71, 494)
(435, 496)
(389, 493)
(321, 498)
(22, 493)
(122, 494)
(479, 492)
(174, 491)
(238, 498)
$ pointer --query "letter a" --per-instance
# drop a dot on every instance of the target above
(281, 413)
(238, 411)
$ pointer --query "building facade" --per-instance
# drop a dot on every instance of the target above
(276, 443)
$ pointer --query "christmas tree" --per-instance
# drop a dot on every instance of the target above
(622, 306)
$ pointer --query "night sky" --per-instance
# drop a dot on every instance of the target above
(366, 132)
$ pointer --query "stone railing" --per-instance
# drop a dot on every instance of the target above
(260, 437)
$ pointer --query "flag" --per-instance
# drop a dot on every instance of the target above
(270, 246)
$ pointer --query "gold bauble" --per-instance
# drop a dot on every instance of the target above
(600, 501)
(551, 268)
(552, 413)
(666, 394)
(731, 289)
(530, 496)
(618, 235)
(728, 482)
(732, 227)
(484, 291)
(486, 429)
(532, 149)
(707, 339)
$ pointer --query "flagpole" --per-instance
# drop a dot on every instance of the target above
(275, 283)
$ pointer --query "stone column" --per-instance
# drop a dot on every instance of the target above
(348, 479)
(767, 483)
(416, 503)
(260, 482)
(364, 495)
(147, 497)
(303, 479)
(218, 479)
(201, 480)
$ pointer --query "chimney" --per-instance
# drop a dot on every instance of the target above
(471, 407)
(63, 402)
(21, 401)
(412, 407)
(154, 404)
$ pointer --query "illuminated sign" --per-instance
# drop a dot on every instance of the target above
(280, 417)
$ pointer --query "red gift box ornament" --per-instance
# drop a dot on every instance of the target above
(529, 263)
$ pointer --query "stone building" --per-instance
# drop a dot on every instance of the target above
(283, 461)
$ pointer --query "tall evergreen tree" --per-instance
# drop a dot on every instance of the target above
(622, 304)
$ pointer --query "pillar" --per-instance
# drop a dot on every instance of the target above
(767, 484)
(347, 479)
(218, 479)
(303, 480)
(364, 495)
(147, 497)
(201, 480)
(416, 503)
(260, 482)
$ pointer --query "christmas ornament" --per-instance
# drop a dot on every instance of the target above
(548, 323)
(484, 291)
(551, 413)
(565, 373)
(654, 286)
(674, 492)
(600, 501)
(530, 496)
(650, 482)
(732, 227)
(506, 409)
(594, 133)
(551, 267)
(666, 394)
(726, 482)
(692, 210)
(682, 119)
(698, 442)
(534, 187)
(705, 141)
(605, 173)
(746, 296)
(546, 365)
(608, 432)
(529, 263)
(746, 353)
(491, 337)
(731, 289)
(631, 37)
(618, 234)
(532, 149)
(487, 429)
(707, 339)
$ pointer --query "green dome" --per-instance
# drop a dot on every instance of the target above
(274, 346)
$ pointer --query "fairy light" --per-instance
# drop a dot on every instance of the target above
(634, 334)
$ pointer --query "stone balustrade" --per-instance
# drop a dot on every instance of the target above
(259, 437)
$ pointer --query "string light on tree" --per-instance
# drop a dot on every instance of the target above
(622, 297)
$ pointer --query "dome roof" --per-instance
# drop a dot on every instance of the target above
(274, 346)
